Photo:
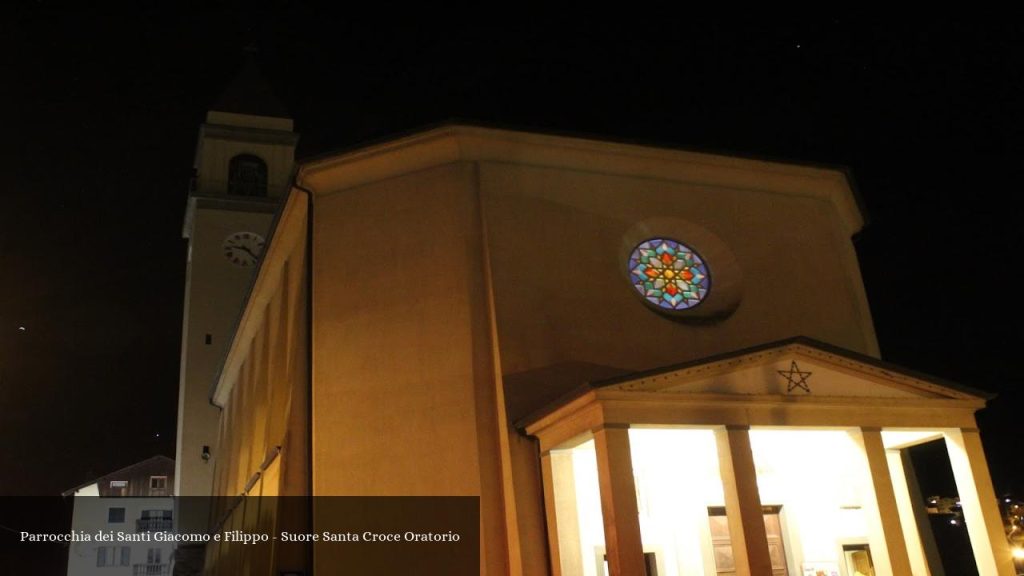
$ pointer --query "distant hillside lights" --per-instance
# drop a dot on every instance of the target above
(946, 505)
(1013, 517)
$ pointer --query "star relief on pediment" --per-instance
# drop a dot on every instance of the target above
(796, 379)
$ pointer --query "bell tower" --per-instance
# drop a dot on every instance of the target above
(243, 167)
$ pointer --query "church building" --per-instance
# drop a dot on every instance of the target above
(642, 360)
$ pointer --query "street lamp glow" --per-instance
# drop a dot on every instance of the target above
(1018, 553)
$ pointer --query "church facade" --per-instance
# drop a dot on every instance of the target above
(641, 360)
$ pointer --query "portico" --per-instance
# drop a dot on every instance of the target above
(729, 466)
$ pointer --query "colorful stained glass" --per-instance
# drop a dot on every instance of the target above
(669, 274)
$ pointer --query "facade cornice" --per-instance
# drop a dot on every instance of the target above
(459, 143)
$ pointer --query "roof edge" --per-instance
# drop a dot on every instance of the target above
(71, 491)
(454, 142)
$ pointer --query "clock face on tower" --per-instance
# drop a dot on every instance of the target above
(243, 248)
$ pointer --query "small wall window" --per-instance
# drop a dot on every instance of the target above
(158, 485)
(115, 515)
(107, 556)
(247, 176)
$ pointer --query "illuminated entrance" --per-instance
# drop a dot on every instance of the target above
(714, 469)
(814, 484)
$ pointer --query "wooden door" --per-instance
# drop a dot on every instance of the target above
(722, 544)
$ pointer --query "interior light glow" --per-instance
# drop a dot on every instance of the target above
(893, 439)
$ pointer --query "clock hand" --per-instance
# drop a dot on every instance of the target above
(249, 251)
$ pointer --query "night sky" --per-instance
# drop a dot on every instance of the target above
(101, 114)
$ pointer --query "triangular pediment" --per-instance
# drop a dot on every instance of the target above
(800, 367)
(795, 382)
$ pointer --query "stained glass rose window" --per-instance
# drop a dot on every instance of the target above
(669, 274)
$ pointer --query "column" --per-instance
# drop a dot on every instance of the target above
(885, 519)
(743, 502)
(924, 523)
(911, 505)
(978, 503)
(618, 502)
(562, 515)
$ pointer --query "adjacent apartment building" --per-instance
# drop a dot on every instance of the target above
(136, 501)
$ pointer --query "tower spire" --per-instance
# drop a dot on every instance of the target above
(249, 92)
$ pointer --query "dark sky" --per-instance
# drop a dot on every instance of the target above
(101, 114)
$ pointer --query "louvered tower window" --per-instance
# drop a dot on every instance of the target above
(247, 176)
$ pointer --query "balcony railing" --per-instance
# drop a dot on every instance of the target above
(152, 570)
(154, 525)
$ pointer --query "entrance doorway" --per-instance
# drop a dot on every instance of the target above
(721, 543)
(858, 560)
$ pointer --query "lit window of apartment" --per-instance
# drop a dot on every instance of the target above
(157, 485)
(118, 487)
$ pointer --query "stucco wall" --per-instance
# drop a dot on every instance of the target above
(561, 292)
(403, 384)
